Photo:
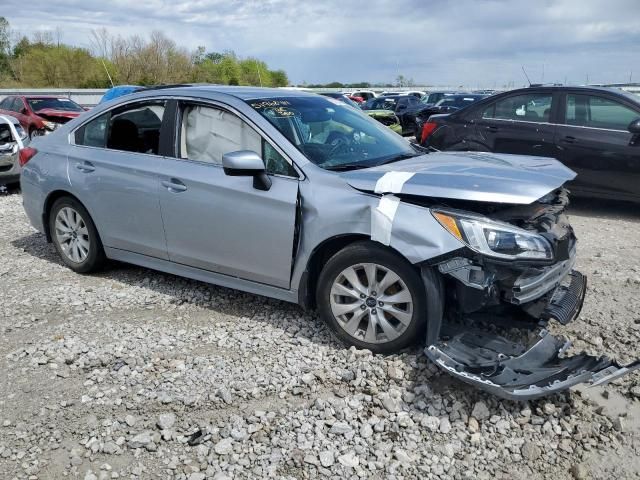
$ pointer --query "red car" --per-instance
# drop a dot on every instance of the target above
(40, 115)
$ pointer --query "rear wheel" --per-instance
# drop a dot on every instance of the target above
(372, 298)
(75, 236)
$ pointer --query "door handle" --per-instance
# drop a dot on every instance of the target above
(174, 185)
(491, 128)
(85, 167)
(569, 139)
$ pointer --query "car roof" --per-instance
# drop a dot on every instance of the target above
(243, 93)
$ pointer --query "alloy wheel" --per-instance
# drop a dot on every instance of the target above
(371, 303)
(72, 234)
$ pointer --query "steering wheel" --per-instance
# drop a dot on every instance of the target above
(338, 141)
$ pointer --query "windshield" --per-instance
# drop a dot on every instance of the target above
(331, 134)
(55, 104)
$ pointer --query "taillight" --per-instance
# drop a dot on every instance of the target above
(26, 154)
(427, 129)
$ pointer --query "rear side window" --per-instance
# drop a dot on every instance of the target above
(207, 133)
(133, 128)
(6, 103)
(533, 107)
(598, 112)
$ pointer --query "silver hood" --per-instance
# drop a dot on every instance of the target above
(477, 176)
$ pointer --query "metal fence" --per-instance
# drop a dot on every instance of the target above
(90, 97)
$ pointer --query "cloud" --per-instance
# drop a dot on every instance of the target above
(466, 42)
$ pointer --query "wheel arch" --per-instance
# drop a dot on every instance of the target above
(48, 204)
(319, 256)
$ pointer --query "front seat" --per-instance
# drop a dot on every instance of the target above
(124, 136)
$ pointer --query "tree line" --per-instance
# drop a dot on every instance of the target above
(44, 61)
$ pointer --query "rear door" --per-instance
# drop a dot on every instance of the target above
(113, 169)
(520, 123)
(593, 140)
(222, 223)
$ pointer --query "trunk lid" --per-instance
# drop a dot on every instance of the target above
(474, 176)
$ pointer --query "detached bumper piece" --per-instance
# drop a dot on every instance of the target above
(512, 371)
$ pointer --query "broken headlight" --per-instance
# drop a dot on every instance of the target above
(50, 125)
(493, 238)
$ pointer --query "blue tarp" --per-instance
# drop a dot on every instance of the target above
(119, 91)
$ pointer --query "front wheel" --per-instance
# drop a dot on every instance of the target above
(372, 298)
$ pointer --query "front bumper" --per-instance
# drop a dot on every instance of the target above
(512, 370)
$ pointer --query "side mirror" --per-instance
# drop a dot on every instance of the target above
(634, 126)
(23, 110)
(246, 163)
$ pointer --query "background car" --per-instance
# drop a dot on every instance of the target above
(13, 139)
(448, 104)
(595, 131)
(386, 117)
(404, 106)
(432, 98)
(119, 91)
(40, 115)
(356, 99)
(365, 94)
(341, 97)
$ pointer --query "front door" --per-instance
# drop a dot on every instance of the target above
(595, 143)
(222, 223)
(113, 170)
(518, 124)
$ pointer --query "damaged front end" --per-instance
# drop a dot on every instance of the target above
(517, 292)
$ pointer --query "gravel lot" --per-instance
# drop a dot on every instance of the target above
(111, 375)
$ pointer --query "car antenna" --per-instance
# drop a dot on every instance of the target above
(106, 70)
(527, 76)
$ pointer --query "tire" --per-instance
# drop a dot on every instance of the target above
(386, 323)
(68, 219)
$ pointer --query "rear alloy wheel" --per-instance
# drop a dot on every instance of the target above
(74, 236)
(372, 298)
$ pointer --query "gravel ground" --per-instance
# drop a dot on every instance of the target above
(137, 374)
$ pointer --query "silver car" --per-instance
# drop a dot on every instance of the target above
(13, 139)
(299, 197)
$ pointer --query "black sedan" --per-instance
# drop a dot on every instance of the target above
(594, 131)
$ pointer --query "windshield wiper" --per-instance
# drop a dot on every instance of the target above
(397, 158)
(346, 166)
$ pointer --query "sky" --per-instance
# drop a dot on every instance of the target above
(473, 43)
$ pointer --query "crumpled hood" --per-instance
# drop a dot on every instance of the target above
(476, 176)
(53, 113)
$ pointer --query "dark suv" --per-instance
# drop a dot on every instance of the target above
(594, 131)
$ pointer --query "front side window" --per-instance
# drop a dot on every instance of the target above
(532, 107)
(331, 134)
(207, 133)
(17, 105)
(132, 128)
(598, 112)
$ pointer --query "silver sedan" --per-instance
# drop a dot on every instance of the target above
(299, 197)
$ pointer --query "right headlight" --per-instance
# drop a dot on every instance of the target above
(493, 238)
(50, 125)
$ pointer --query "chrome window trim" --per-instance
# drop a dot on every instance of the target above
(554, 124)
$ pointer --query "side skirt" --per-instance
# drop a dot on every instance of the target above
(201, 275)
